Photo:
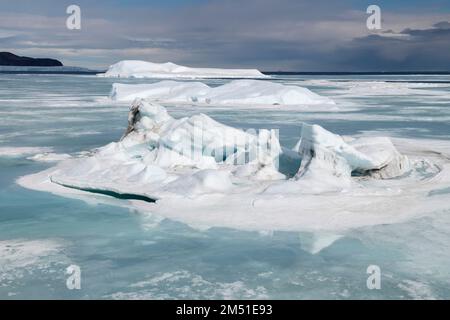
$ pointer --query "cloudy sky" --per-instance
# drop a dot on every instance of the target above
(270, 35)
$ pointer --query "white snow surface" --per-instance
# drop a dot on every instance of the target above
(226, 179)
(144, 69)
(236, 92)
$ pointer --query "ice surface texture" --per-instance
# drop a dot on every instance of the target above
(143, 69)
(237, 92)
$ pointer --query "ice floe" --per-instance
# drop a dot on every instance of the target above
(236, 92)
(144, 69)
(203, 173)
(371, 88)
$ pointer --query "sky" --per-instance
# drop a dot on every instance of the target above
(270, 35)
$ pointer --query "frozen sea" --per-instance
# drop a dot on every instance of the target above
(124, 254)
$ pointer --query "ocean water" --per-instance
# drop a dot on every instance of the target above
(124, 254)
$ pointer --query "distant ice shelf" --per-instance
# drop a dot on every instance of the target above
(236, 92)
(144, 69)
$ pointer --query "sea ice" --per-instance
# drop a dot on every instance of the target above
(144, 69)
(365, 88)
(236, 92)
(22, 151)
(19, 257)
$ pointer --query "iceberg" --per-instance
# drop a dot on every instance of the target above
(324, 151)
(160, 155)
(237, 92)
(204, 173)
(144, 69)
(329, 163)
(163, 91)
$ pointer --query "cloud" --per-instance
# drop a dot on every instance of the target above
(442, 25)
(267, 34)
(410, 49)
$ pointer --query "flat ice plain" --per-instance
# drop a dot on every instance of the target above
(295, 244)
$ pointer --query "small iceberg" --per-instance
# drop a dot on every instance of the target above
(328, 153)
(329, 163)
(144, 69)
(237, 92)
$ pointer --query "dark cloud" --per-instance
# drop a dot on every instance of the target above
(267, 34)
(442, 25)
(411, 49)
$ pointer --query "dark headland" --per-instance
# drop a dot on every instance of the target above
(10, 59)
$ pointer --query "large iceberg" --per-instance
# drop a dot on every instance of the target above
(159, 154)
(201, 172)
(144, 69)
(237, 92)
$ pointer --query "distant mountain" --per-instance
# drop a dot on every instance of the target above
(9, 59)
